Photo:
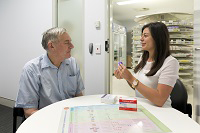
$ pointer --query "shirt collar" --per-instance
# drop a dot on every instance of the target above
(47, 63)
(67, 61)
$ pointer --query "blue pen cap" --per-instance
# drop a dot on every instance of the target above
(119, 63)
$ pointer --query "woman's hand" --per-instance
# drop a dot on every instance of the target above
(125, 73)
(117, 74)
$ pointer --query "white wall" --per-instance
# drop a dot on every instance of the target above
(129, 25)
(117, 22)
(22, 24)
(95, 64)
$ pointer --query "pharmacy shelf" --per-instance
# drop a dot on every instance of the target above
(180, 42)
(185, 61)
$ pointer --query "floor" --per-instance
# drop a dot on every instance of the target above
(121, 87)
(6, 119)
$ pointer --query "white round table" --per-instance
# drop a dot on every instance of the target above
(47, 120)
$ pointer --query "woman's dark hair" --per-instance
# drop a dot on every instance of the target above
(160, 34)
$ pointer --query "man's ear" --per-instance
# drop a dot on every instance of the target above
(50, 45)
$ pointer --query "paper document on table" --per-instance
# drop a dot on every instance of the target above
(109, 119)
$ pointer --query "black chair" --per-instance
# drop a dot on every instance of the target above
(179, 97)
(17, 112)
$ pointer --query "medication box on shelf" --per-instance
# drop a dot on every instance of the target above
(129, 104)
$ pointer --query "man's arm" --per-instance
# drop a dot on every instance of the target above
(29, 111)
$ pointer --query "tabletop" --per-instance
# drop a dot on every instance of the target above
(48, 119)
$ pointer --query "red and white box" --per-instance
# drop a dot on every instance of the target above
(129, 104)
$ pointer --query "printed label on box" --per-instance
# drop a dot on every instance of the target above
(129, 104)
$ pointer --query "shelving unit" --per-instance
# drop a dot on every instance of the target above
(181, 46)
(181, 40)
(137, 48)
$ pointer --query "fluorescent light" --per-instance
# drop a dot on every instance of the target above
(138, 16)
(129, 2)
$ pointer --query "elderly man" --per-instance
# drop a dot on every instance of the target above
(51, 77)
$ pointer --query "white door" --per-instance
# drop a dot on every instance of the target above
(96, 32)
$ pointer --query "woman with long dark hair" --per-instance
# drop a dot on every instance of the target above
(157, 71)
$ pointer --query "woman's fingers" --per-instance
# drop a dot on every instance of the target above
(117, 74)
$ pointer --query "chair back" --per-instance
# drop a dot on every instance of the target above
(179, 97)
(17, 112)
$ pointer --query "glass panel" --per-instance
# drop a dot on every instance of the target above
(116, 49)
(119, 44)
(70, 16)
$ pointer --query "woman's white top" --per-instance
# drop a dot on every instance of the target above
(167, 74)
